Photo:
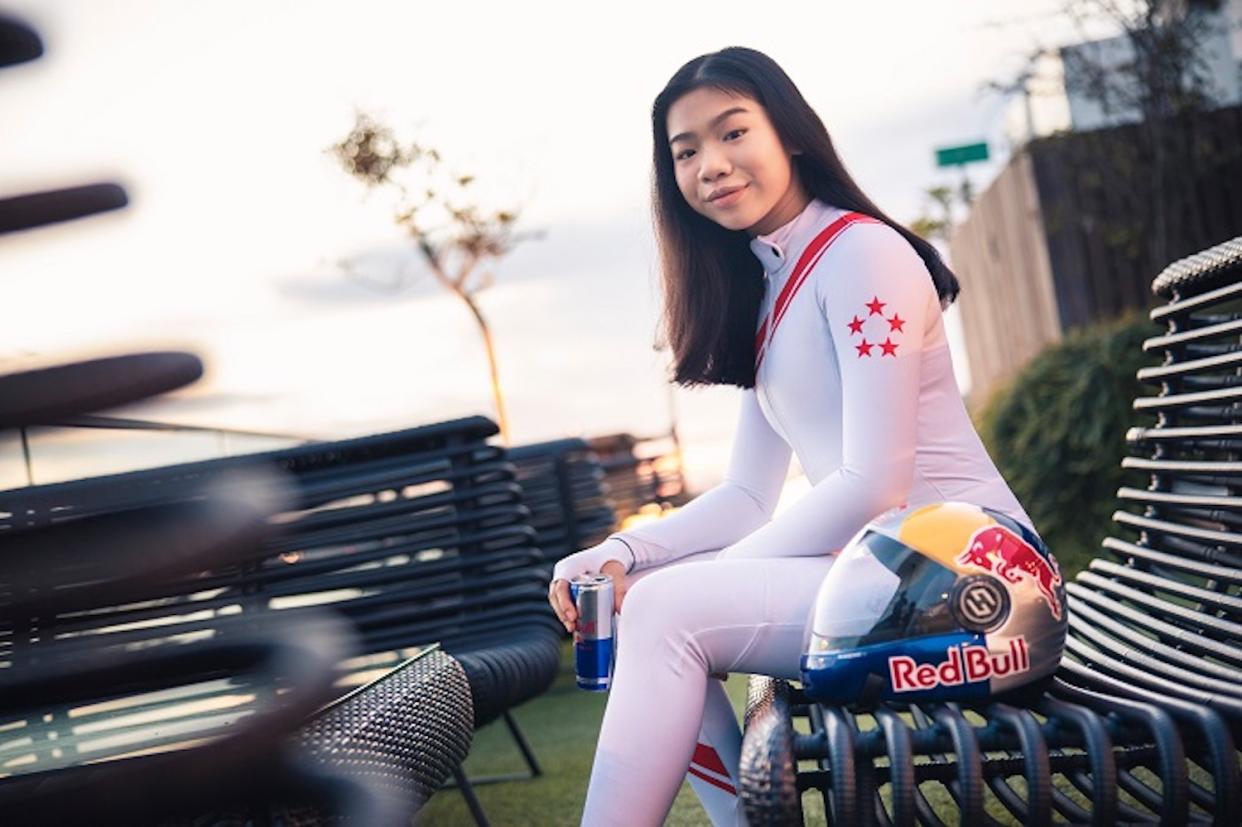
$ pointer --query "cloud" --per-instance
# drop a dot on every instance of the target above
(382, 274)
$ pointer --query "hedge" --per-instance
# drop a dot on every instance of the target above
(1057, 433)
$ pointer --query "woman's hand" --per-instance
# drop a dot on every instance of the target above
(563, 605)
(604, 558)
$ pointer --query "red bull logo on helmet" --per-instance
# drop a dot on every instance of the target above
(998, 550)
(965, 663)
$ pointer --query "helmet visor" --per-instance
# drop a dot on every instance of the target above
(880, 590)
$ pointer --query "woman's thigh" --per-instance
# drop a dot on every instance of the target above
(745, 615)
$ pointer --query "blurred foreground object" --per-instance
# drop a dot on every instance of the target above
(25, 212)
(125, 696)
(45, 396)
(18, 42)
(139, 732)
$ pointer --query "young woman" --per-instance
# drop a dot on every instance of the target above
(780, 277)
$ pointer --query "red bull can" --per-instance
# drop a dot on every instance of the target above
(593, 638)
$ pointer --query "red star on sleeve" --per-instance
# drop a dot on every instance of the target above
(890, 349)
(875, 306)
(864, 349)
(856, 326)
(896, 323)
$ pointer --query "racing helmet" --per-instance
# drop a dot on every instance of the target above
(946, 601)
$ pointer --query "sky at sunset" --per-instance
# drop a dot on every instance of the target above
(216, 117)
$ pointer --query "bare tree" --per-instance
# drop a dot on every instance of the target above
(1159, 78)
(1166, 73)
(1024, 82)
(454, 236)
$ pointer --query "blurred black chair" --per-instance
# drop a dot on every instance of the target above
(167, 597)
(138, 733)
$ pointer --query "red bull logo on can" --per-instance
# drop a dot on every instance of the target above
(998, 550)
(587, 629)
(965, 663)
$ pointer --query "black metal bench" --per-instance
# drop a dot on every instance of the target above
(562, 486)
(1142, 721)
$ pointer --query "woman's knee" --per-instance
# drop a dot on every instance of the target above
(659, 623)
(661, 606)
(647, 596)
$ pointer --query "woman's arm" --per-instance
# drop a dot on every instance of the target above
(877, 298)
(724, 514)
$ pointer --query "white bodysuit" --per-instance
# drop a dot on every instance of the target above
(855, 377)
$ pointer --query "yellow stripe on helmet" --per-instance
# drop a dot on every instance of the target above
(943, 530)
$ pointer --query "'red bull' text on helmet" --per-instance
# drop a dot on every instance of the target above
(946, 601)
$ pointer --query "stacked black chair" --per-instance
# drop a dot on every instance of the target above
(636, 475)
(563, 486)
(1142, 721)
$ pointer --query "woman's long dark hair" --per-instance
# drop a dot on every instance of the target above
(713, 283)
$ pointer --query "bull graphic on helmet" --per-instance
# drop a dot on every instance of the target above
(998, 549)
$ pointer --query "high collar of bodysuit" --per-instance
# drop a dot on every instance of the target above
(778, 249)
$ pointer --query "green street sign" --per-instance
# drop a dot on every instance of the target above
(956, 155)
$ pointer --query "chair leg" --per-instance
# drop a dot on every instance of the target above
(472, 800)
(533, 770)
(520, 738)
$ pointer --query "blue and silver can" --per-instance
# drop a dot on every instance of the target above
(593, 639)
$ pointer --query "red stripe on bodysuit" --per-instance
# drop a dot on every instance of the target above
(709, 759)
(763, 329)
(810, 256)
(715, 782)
